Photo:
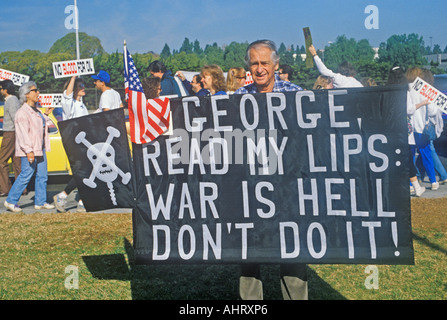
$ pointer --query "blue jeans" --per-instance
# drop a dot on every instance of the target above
(39, 166)
(439, 167)
(423, 146)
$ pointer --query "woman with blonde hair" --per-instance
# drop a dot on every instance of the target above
(235, 79)
(213, 79)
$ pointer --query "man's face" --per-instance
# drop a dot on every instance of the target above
(283, 76)
(262, 68)
(98, 84)
(195, 84)
(156, 74)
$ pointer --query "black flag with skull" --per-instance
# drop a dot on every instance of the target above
(98, 151)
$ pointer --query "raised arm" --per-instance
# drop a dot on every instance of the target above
(320, 65)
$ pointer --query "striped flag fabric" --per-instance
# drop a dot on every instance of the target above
(148, 119)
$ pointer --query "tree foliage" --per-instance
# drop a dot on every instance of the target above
(403, 50)
(89, 46)
(344, 49)
(400, 50)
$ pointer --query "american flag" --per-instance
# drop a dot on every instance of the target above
(147, 118)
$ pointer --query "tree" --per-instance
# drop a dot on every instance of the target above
(234, 55)
(214, 54)
(166, 52)
(89, 46)
(344, 49)
(184, 61)
(403, 50)
(186, 47)
(196, 48)
(282, 48)
(437, 49)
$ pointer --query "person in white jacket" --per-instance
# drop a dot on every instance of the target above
(73, 107)
(396, 76)
(340, 80)
(422, 110)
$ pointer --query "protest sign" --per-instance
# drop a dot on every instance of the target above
(71, 68)
(99, 155)
(427, 91)
(296, 177)
(17, 78)
(248, 78)
(308, 43)
(52, 100)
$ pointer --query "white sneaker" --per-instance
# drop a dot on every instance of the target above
(12, 207)
(442, 181)
(412, 191)
(46, 206)
(419, 191)
(435, 186)
(60, 202)
(80, 208)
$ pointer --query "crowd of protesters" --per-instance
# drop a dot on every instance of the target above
(29, 141)
(213, 81)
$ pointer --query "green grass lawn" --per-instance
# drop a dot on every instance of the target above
(40, 253)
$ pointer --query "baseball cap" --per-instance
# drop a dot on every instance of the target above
(102, 76)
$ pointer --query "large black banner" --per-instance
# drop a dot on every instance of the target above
(308, 176)
(98, 151)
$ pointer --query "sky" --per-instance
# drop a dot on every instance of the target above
(147, 25)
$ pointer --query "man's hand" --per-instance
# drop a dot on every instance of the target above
(180, 75)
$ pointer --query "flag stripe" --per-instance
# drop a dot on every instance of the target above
(148, 119)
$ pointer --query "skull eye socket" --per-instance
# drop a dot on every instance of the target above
(94, 157)
(108, 154)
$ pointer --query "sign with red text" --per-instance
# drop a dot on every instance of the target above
(429, 92)
(17, 78)
(71, 68)
(50, 100)
(248, 78)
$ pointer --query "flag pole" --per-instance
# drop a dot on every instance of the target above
(125, 58)
(76, 29)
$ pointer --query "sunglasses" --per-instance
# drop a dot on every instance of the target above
(35, 90)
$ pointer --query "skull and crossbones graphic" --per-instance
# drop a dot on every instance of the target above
(102, 157)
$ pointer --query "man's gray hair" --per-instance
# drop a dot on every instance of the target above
(264, 43)
(25, 89)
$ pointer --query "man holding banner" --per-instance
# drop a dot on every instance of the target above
(328, 184)
(263, 60)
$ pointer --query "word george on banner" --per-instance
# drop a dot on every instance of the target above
(71, 68)
(295, 177)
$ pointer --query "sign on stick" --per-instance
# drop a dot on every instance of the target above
(17, 78)
(71, 68)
